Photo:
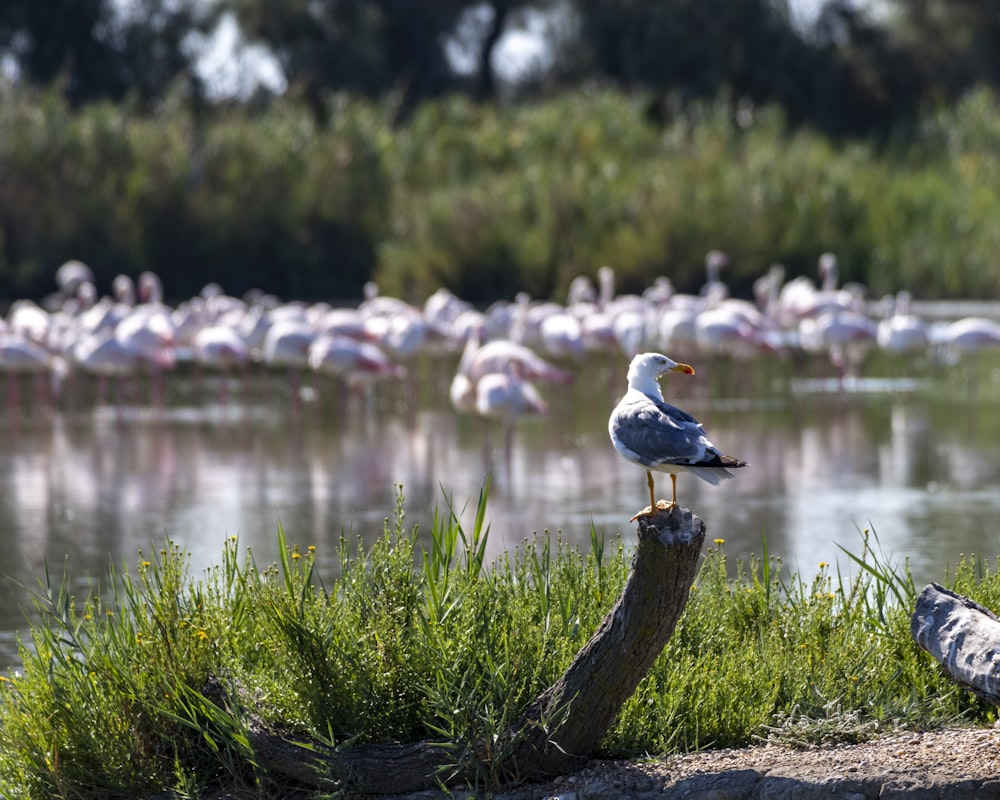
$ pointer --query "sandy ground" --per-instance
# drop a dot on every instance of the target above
(946, 764)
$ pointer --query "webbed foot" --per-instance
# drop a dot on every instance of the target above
(648, 511)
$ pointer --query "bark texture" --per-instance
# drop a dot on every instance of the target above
(963, 636)
(564, 724)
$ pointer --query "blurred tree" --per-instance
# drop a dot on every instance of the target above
(864, 81)
(859, 68)
(375, 47)
(845, 74)
(97, 49)
(958, 42)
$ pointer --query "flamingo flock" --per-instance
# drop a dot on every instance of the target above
(508, 354)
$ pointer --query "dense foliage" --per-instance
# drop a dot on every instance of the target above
(150, 685)
(487, 200)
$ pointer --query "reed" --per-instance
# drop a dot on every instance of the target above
(490, 201)
(150, 684)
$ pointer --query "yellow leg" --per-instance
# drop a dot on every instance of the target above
(646, 512)
(663, 505)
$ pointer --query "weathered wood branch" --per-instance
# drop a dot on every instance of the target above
(564, 724)
(963, 636)
(366, 769)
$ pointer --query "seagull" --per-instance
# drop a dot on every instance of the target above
(650, 432)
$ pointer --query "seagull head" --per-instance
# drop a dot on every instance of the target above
(648, 367)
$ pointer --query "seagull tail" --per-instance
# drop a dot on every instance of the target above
(713, 475)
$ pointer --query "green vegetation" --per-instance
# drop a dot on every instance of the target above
(148, 686)
(488, 200)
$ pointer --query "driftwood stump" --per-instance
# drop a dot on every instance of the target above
(963, 636)
(565, 723)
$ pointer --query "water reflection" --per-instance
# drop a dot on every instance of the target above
(89, 488)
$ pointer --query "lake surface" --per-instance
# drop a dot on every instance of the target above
(913, 454)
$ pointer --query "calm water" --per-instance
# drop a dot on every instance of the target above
(913, 455)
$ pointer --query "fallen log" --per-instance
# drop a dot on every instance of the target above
(963, 636)
(564, 724)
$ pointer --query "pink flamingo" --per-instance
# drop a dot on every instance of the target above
(21, 356)
(286, 345)
(358, 362)
(148, 333)
(220, 347)
(506, 397)
(102, 355)
(902, 332)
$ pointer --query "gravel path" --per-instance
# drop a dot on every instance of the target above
(946, 764)
(952, 764)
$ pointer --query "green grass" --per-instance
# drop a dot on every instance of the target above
(148, 685)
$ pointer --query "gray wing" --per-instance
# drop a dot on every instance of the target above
(659, 433)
